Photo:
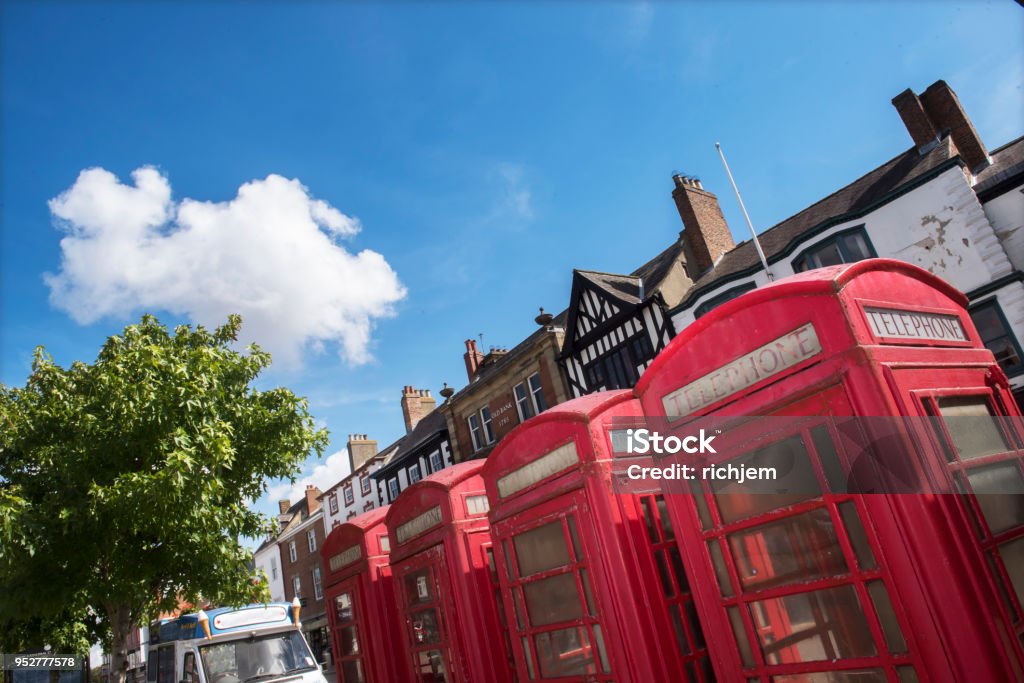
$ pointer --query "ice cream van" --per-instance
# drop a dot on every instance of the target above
(252, 644)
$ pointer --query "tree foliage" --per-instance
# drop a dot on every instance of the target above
(125, 483)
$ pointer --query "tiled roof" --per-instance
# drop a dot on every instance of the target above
(1007, 164)
(426, 429)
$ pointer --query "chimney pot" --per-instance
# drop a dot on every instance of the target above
(360, 449)
(416, 404)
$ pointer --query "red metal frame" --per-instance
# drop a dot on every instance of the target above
(607, 603)
(365, 632)
(439, 540)
(941, 612)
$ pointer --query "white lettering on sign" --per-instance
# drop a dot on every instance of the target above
(890, 322)
(763, 362)
(554, 461)
(345, 557)
(418, 524)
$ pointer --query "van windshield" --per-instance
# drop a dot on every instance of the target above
(257, 658)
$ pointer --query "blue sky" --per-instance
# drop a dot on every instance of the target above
(454, 161)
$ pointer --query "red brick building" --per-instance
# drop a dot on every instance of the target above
(299, 541)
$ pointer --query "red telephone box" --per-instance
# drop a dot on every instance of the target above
(360, 598)
(824, 582)
(445, 584)
(592, 580)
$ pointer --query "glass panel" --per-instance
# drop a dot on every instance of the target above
(821, 625)
(343, 607)
(508, 560)
(352, 671)
(826, 449)
(721, 572)
(706, 670)
(696, 630)
(528, 654)
(585, 580)
(652, 526)
(789, 458)
(517, 597)
(855, 247)
(677, 569)
(682, 642)
(1013, 557)
(859, 676)
(906, 674)
(972, 426)
(601, 653)
(827, 255)
(666, 521)
(430, 667)
(702, 504)
(740, 634)
(858, 536)
(999, 490)
(662, 564)
(425, 627)
(798, 548)
(349, 641)
(887, 616)
(993, 567)
(565, 652)
(541, 549)
(418, 587)
(575, 537)
(552, 600)
(491, 565)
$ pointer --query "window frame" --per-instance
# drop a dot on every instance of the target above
(394, 488)
(311, 540)
(723, 297)
(349, 494)
(1008, 333)
(800, 265)
(415, 467)
(539, 404)
(333, 502)
(439, 464)
(523, 403)
(487, 425)
(318, 584)
(475, 432)
(364, 483)
(293, 553)
(297, 586)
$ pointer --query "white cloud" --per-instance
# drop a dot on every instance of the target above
(271, 254)
(322, 475)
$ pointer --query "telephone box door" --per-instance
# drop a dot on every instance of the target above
(349, 632)
(425, 607)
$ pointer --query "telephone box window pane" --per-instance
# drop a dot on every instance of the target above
(705, 667)
(652, 527)
(799, 548)
(740, 634)
(721, 571)
(517, 596)
(552, 600)
(972, 426)
(575, 536)
(565, 652)
(859, 676)
(418, 587)
(352, 671)
(754, 497)
(528, 653)
(907, 674)
(542, 548)
(826, 449)
(858, 536)
(993, 568)
(887, 616)
(601, 653)
(820, 625)
(492, 565)
(430, 666)
(349, 640)
(677, 568)
(1013, 558)
(677, 625)
(425, 627)
(702, 504)
(695, 628)
(999, 490)
(666, 521)
(343, 607)
(585, 580)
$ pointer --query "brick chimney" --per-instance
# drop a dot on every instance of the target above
(416, 404)
(936, 111)
(283, 505)
(360, 449)
(705, 232)
(473, 358)
(312, 498)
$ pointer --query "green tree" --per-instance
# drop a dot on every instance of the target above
(124, 484)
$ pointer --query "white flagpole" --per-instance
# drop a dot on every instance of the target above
(753, 234)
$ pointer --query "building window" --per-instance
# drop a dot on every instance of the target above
(719, 299)
(349, 497)
(474, 432)
(393, 489)
(523, 406)
(996, 335)
(292, 553)
(364, 484)
(334, 503)
(436, 462)
(414, 474)
(485, 419)
(273, 569)
(847, 246)
(318, 588)
(537, 393)
(297, 586)
(311, 540)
